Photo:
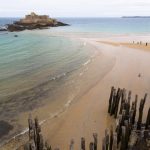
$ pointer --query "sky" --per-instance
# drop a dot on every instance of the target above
(75, 8)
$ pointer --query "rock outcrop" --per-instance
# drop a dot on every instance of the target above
(34, 21)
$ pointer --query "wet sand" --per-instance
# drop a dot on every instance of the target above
(119, 66)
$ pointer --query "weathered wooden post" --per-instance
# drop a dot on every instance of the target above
(107, 138)
(114, 147)
(131, 113)
(128, 103)
(118, 129)
(135, 108)
(127, 135)
(91, 146)
(129, 96)
(148, 119)
(142, 103)
(123, 139)
(111, 138)
(95, 141)
(30, 124)
(123, 117)
(110, 99)
(133, 139)
(113, 103)
(117, 102)
(41, 142)
(71, 147)
(32, 146)
(145, 96)
(140, 114)
(123, 99)
(103, 144)
(142, 132)
(82, 143)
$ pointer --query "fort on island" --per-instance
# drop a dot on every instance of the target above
(34, 18)
(34, 21)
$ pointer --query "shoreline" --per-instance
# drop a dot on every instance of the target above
(80, 116)
(141, 46)
(55, 114)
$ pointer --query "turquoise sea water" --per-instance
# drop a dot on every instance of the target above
(36, 67)
(108, 25)
(105, 25)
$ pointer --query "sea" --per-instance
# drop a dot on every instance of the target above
(46, 69)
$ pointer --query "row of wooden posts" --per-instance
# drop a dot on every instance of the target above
(128, 134)
(36, 141)
(124, 136)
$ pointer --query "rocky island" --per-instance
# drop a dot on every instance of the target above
(34, 21)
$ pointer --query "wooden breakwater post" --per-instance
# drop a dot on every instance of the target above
(110, 99)
(95, 140)
(36, 141)
(148, 120)
(129, 133)
(82, 143)
(71, 147)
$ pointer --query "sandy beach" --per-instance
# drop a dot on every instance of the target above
(119, 63)
(141, 46)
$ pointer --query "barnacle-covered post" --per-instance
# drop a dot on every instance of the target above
(82, 143)
(110, 99)
(95, 141)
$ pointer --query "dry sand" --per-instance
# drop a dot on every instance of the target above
(89, 113)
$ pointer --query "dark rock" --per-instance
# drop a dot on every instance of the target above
(34, 21)
(62, 24)
(13, 27)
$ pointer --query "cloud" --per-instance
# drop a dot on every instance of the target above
(68, 8)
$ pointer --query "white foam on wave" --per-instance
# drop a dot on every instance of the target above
(87, 62)
(81, 74)
(58, 76)
(68, 103)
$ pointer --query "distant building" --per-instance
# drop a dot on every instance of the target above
(34, 18)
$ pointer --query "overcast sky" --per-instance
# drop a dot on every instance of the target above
(75, 8)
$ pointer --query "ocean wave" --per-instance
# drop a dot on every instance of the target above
(81, 73)
(58, 76)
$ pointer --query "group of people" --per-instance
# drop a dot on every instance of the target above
(146, 44)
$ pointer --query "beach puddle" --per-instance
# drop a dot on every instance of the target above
(5, 127)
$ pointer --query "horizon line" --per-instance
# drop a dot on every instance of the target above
(81, 16)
